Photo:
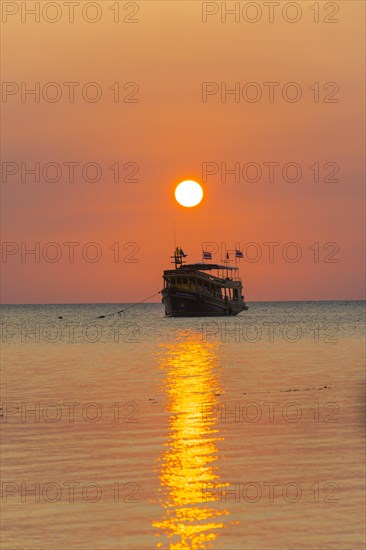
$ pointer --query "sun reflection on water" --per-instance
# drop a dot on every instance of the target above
(190, 520)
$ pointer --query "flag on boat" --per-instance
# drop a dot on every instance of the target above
(238, 254)
(182, 253)
(207, 256)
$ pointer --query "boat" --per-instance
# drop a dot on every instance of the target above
(201, 289)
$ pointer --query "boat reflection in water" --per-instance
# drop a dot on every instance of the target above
(193, 517)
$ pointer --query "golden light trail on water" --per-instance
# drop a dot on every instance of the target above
(191, 519)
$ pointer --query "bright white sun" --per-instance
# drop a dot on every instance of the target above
(189, 193)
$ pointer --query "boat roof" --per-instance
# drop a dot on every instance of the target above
(207, 267)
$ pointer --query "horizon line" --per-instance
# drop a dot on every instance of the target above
(138, 303)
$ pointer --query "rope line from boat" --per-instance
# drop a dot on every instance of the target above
(127, 308)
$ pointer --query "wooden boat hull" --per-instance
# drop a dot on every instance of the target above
(190, 304)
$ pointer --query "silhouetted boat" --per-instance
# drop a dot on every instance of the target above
(201, 289)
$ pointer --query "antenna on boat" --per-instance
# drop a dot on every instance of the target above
(174, 235)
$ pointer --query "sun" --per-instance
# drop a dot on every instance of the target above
(189, 193)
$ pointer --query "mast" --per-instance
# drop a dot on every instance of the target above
(178, 257)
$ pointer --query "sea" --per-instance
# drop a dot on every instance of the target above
(135, 431)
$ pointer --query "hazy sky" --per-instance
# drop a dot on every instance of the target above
(164, 128)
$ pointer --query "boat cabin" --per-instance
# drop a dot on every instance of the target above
(220, 281)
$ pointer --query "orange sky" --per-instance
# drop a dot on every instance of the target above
(169, 133)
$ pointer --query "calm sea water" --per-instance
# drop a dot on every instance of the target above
(138, 431)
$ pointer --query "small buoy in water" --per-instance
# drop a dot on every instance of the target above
(60, 317)
(101, 317)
